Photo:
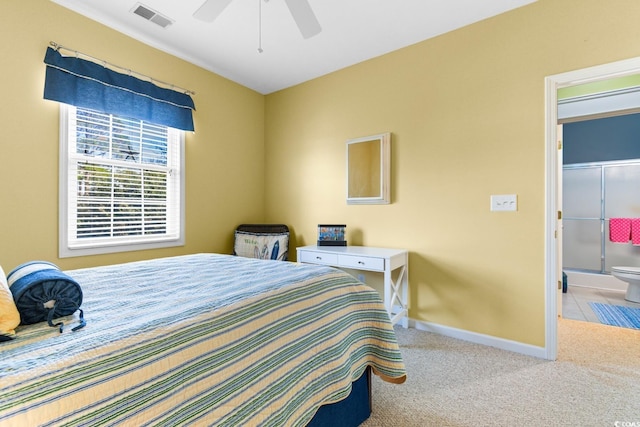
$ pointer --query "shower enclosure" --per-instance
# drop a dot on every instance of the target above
(592, 194)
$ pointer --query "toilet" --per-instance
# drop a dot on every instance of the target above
(631, 275)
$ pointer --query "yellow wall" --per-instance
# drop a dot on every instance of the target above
(224, 157)
(466, 111)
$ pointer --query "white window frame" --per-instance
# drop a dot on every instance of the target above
(69, 245)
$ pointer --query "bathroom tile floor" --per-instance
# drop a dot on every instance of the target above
(575, 303)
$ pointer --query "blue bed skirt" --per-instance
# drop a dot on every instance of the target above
(350, 412)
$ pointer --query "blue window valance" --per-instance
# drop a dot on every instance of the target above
(86, 84)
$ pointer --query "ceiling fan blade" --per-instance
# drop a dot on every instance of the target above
(304, 17)
(210, 10)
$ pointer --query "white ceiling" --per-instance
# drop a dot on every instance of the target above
(352, 31)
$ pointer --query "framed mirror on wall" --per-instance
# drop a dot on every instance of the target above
(369, 170)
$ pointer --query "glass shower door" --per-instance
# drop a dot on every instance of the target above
(621, 200)
(583, 218)
(592, 194)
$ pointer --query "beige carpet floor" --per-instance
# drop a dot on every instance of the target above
(594, 382)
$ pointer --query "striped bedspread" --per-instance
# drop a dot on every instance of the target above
(199, 339)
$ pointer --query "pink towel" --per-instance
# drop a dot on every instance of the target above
(635, 231)
(620, 230)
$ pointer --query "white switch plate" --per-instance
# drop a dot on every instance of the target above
(504, 202)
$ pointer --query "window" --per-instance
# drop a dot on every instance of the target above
(121, 184)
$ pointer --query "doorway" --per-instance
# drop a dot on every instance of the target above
(553, 216)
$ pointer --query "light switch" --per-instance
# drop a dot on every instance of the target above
(504, 202)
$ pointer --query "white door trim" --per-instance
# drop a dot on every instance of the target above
(552, 84)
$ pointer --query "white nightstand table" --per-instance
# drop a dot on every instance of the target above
(383, 260)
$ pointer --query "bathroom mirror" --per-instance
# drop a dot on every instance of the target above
(368, 169)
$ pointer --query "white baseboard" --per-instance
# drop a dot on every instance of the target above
(488, 340)
(593, 280)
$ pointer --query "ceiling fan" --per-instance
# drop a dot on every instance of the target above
(300, 10)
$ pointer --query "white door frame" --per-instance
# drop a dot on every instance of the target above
(552, 247)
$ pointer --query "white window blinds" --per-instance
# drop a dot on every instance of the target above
(122, 183)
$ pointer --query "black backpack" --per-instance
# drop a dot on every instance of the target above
(42, 292)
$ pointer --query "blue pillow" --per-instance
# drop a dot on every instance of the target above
(42, 292)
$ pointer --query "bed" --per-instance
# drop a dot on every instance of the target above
(203, 339)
